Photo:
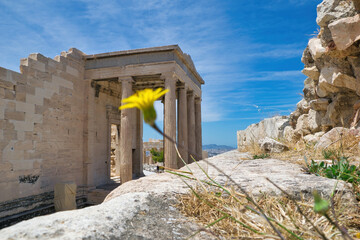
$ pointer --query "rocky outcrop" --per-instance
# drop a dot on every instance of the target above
(144, 208)
(270, 145)
(332, 65)
(269, 127)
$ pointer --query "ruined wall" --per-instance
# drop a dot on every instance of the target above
(332, 87)
(42, 121)
(332, 65)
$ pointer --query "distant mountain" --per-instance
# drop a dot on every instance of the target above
(214, 149)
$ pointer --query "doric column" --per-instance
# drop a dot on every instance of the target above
(191, 126)
(170, 122)
(126, 133)
(198, 134)
(182, 126)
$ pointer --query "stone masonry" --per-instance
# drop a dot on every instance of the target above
(56, 118)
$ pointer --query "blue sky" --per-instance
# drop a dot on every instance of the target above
(248, 52)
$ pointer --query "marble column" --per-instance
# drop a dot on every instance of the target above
(198, 134)
(138, 151)
(182, 125)
(126, 133)
(170, 155)
(191, 126)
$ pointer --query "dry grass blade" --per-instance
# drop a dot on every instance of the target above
(281, 209)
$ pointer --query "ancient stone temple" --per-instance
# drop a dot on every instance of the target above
(56, 118)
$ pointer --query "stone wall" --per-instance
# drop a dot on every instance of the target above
(44, 131)
(42, 109)
(332, 65)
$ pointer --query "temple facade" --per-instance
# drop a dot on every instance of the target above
(56, 118)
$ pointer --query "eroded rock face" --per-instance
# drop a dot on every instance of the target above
(329, 10)
(269, 127)
(345, 31)
(269, 145)
(332, 65)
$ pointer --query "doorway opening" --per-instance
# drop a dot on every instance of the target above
(114, 151)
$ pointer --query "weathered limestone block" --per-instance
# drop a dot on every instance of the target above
(346, 81)
(306, 58)
(340, 111)
(314, 120)
(329, 10)
(345, 31)
(270, 145)
(311, 72)
(355, 65)
(302, 125)
(290, 135)
(316, 48)
(331, 136)
(269, 127)
(294, 117)
(326, 85)
(309, 89)
(319, 104)
(303, 106)
(311, 139)
(308, 123)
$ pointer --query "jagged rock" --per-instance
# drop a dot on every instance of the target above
(340, 111)
(314, 120)
(294, 117)
(302, 125)
(332, 78)
(290, 135)
(308, 123)
(345, 31)
(309, 89)
(311, 139)
(355, 64)
(331, 136)
(319, 104)
(319, 134)
(269, 127)
(330, 10)
(311, 72)
(303, 106)
(326, 85)
(269, 145)
(307, 58)
(316, 48)
(346, 81)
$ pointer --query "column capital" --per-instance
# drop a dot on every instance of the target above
(190, 93)
(181, 85)
(125, 79)
(168, 75)
(198, 99)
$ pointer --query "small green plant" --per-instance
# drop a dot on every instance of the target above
(339, 169)
(331, 154)
(157, 156)
(262, 156)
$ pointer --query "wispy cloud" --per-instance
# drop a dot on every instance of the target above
(244, 50)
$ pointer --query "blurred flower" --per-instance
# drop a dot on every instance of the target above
(144, 100)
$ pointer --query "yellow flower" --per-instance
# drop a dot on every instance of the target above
(144, 100)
